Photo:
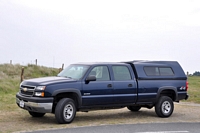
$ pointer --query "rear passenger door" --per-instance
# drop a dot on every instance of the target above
(125, 87)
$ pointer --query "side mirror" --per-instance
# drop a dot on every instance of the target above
(90, 78)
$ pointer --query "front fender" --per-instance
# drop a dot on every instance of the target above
(71, 90)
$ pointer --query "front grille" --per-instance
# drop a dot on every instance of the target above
(27, 90)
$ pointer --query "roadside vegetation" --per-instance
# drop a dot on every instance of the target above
(194, 89)
(12, 117)
(10, 81)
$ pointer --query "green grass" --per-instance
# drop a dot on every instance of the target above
(10, 75)
(194, 89)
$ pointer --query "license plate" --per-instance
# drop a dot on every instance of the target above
(21, 104)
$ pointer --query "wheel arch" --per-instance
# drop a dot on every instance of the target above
(169, 91)
(72, 93)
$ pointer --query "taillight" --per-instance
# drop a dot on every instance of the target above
(187, 85)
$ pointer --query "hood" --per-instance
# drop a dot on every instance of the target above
(47, 81)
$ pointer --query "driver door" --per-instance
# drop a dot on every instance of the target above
(99, 92)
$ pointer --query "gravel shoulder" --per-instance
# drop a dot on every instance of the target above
(20, 121)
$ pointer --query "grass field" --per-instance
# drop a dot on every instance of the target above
(194, 89)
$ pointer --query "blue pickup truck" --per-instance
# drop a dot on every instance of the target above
(94, 86)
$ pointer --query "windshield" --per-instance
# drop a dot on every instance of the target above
(74, 71)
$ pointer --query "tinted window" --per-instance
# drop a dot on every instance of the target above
(166, 71)
(158, 71)
(121, 73)
(151, 71)
(101, 73)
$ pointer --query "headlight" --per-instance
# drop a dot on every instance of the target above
(39, 94)
(39, 91)
(40, 88)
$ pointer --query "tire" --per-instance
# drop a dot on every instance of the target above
(134, 108)
(36, 114)
(65, 111)
(164, 107)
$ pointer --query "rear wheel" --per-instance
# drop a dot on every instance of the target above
(36, 114)
(164, 107)
(65, 111)
(134, 108)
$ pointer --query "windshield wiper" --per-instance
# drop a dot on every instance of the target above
(64, 76)
(68, 77)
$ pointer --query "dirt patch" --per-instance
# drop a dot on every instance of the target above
(20, 121)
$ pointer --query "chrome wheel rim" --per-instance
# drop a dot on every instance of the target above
(166, 107)
(68, 111)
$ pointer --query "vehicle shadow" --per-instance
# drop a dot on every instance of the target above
(114, 116)
(100, 116)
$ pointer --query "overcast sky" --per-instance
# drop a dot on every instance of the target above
(56, 32)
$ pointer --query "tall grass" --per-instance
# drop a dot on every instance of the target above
(194, 89)
(10, 81)
(10, 75)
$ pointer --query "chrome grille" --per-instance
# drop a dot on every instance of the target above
(27, 90)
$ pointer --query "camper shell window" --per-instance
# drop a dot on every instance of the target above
(158, 71)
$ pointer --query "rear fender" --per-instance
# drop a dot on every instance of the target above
(167, 90)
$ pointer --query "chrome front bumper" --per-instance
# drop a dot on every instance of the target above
(35, 104)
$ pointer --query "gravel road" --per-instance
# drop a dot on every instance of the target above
(20, 120)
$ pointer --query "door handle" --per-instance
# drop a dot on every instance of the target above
(109, 85)
(130, 85)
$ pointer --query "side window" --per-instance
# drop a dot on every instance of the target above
(121, 73)
(151, 71)
(158, 71)
(166, 71)
(101, 73)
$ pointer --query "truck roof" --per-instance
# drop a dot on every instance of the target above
(140, 65)
(99, 63)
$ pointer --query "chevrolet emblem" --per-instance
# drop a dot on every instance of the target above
(24, 89)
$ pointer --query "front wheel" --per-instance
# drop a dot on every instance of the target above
(36, 114)
(164, 107)
(65, 111)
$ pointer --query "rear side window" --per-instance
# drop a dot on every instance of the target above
(121, 73)
(158, 71)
